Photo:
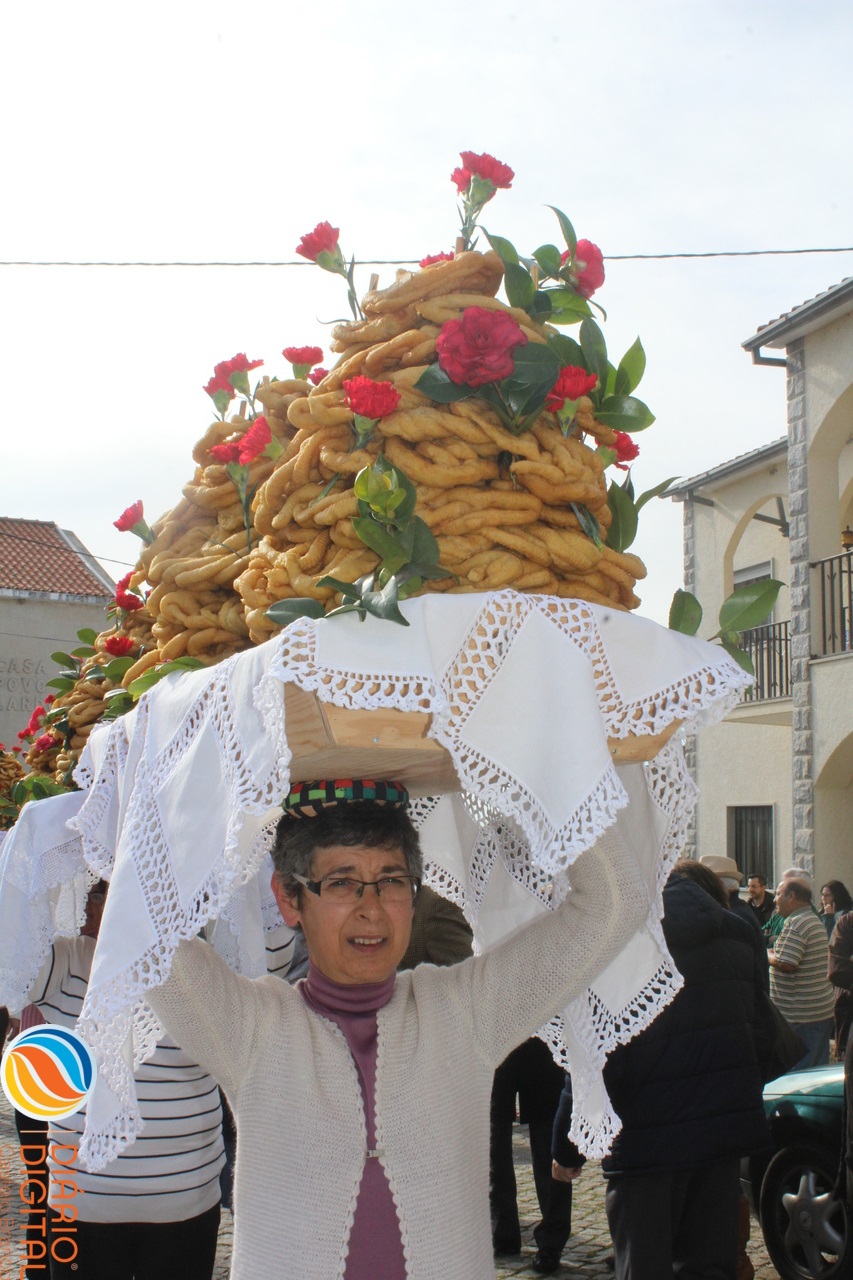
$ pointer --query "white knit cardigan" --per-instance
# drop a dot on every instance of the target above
(292, 1082)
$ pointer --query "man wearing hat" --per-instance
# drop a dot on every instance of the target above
(362, 1094)
(731, 876)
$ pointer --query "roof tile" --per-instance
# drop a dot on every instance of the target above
(35, 555)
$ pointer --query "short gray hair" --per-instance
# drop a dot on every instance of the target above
(362, 822)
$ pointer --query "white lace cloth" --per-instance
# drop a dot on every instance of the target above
(524, 692)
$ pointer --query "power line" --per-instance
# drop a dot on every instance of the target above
(407, 262)
(65, 549)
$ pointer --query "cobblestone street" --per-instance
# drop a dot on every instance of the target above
(585, 1254)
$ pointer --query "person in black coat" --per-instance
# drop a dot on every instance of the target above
(688, 1090)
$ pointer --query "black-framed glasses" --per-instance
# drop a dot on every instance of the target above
(391, 889)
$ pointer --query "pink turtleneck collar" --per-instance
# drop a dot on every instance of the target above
(336, 999)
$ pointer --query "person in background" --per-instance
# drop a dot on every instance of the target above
(834, 901)
(760, 901)
(776, 923)
(688, 1090)
(840, 974)
(798, 965)
(440, 933)
(730, 877)
(530, 1074)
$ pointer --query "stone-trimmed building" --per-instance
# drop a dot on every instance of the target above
(50, 588)
(776, 778)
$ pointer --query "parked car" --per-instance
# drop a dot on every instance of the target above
(792, 1185)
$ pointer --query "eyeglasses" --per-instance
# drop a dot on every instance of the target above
(390, 889)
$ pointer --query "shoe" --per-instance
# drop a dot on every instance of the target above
(546, 1262)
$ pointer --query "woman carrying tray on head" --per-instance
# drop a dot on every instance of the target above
(362, 1094)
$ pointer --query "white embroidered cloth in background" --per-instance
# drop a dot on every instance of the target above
(45, 883)
(523, 691)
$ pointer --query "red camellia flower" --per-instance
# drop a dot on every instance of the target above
(317, 375)
(588, 271)
(129, 517)
(477, 348)
(572, 383)
(323, 239)
(254, 441)
(488, 168)
(626, 450)
(119, 646)
(227, 452)
(371, 399)
(303, 355)
(126, 599)
(436, 257)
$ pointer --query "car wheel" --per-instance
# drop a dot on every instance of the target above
(806, 1227)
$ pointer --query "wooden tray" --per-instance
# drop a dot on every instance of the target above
(334, 742)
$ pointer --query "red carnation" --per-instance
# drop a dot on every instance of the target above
(626, 450)
(477, 348)
(488, 168)
(317, 375)
(462, 179)
(303, 355)
(572, 383)
(323, 239)
(587, 268)
(371, 399)
(45, 743)
(35, 723)
(435, 257)
(126, 599)
(2, 746)
(219, 387)
(254, 441)
(237, 364)
(119, 646)
(129, 517)
(16, 749)
(227, 452)
(50, 699)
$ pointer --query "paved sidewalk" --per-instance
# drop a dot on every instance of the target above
(584, 1256)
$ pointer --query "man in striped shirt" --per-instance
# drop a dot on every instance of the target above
(798, 964)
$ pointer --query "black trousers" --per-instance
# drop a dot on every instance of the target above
(682, 1224)
(530, 1074)
(138, 1250)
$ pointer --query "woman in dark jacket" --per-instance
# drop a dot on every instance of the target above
(688, 1091)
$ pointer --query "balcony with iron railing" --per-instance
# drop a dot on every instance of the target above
(770, 649)
(832, 596)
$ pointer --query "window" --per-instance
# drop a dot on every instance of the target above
(750, 839)
(754, 573)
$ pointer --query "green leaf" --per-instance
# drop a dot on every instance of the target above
(97, 674)
(520, 289)
(283, 612)
(540, 307)
(64, 660)
(349, 590)
(567, 351)
(119, 667)
(62, 684)
(588, 523)
(548, 258)
(120, 702)
(567, 307)
(624, 413)
(383, 604)
(632, 366)
(685, 613)
(623, 526)
(567, 229)
(406, 509)
(741, 657)
(505, 250)
(87, 635)
(155, 674)
(435, 383)
(85, 651)
(594, 349)
(654, 493)
(375, 536)
(750, 605)
(424, 545)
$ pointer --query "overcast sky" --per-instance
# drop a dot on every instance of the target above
(175, 132)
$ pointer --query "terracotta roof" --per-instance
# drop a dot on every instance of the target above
(35, 555)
